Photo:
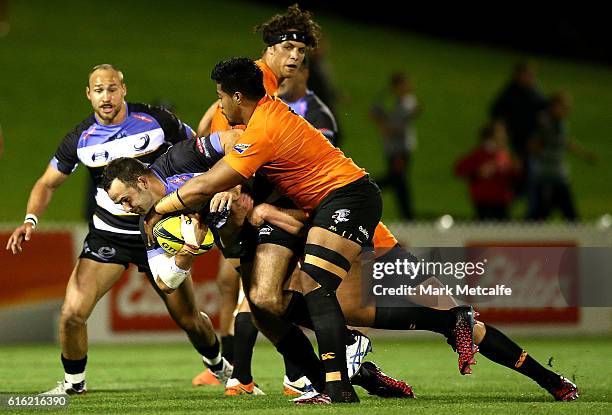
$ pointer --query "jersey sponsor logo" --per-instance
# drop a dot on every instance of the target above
(100, 156)
(142, 142)
(178, 179)
(364, 232)
(341, 215)
(142, 118)
(241, 148)
(328, 356)
(201, 147)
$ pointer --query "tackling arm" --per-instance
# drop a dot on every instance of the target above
(194, 193)
(289, 220)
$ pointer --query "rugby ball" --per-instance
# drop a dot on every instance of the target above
(168, 235)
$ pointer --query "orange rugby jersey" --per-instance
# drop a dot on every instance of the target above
(219, 122)
(383, 238)
(292, 154)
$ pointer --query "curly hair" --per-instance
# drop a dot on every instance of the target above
(293, 20)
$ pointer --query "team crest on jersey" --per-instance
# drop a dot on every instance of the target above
(341, 215)
(241, 148)
(265, 230)
(143, 142)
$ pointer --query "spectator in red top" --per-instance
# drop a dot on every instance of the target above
(490, 171)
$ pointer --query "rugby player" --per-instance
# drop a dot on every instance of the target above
(287, 36)
(115, 129)
(345, 204)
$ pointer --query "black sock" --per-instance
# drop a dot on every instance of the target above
(245, 335)
(296, 347)
(292, 371)
(74, 367)
(227, 347)
(496, 346)
(414, 318)
(297, 311)
(211, 353)
(330, 328)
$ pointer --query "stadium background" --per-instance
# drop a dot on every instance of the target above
(167, 52)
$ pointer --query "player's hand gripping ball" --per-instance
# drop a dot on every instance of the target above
(169, 235)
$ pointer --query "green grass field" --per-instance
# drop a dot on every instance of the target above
(167, 50)
(155, 378)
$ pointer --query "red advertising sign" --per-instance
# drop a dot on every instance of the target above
(135, 306)
(38, 273)
(543, 274)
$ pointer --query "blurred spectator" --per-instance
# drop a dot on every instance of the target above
(490, 171)
(548, 180)
(518, 106)
(394, 113)
(5, 24)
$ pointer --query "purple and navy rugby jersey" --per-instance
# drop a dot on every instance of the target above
(311, 108)
(180, 163)
(145, 134)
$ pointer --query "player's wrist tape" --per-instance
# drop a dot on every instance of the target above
(170, 203)
(31, 218)
(174, 276)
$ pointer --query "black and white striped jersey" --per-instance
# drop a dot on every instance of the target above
(145, 134)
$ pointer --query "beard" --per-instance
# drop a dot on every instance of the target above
(109, 117)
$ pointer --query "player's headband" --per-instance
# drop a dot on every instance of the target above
(296, 36)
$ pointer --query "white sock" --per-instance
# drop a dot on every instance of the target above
(214, 361)
(74, 378)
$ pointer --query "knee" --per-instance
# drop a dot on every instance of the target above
(266, 302)
(72, 317)
(359, 316)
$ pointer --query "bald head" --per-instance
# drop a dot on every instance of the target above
(106, 67)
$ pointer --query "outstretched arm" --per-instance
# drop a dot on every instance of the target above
(39, 199)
